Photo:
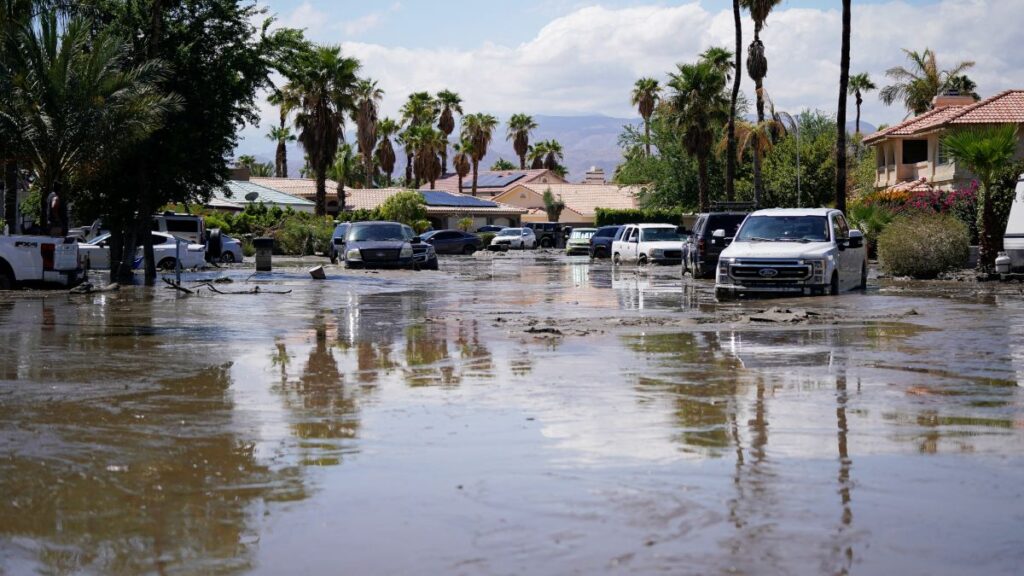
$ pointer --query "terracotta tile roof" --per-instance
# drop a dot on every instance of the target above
(587, 198)
(506, 178)
(1003, 108)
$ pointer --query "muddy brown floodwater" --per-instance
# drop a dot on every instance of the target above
(510, 414)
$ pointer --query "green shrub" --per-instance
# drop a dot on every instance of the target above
(611, 217)
(923, 245)
(247, 247)
(486, 238)
(406, 207)
(871, 219)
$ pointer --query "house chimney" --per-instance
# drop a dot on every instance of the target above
(951, 98)
(594, 176)
(240, 173)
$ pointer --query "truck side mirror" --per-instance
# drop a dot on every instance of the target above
(720, 233)
(856, 239)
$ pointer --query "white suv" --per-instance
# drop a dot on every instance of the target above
(800, 251)
(648, 244)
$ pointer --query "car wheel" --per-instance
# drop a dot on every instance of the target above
(228, 257)
(642, 260)
(697, 272)
(468, 250)
(348, 265)
(616, 259)
(546, 243)
(864, 276)
(6, 280)
(166, 264)
(722, 295)
(834, 287)
(334, 258)
(432, 265)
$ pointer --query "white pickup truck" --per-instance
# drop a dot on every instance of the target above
(38, 260)
(798, 251)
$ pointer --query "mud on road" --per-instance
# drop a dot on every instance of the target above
(511, 413)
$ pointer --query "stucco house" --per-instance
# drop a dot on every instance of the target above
(910, 154)
(491, 183)
(581, 200)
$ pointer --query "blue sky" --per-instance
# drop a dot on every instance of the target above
(564, 57)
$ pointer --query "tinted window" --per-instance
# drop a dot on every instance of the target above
(785, 229)
(340, 230)
(915, 151)
(659, 234)
(174, 225)
(605, 232)
(728, 222)
(377, 233)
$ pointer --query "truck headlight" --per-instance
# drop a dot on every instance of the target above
(723, 265)
(406, 251)
(353, 255)
(656, 253)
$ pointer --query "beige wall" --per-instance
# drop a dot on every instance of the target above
(890, 170)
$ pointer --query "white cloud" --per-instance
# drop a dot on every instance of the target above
(586, 61)
(364, 24)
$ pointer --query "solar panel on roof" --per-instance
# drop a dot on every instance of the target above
(441, 198)
(496, 179)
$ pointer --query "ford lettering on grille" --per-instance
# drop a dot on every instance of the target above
(768, 272)
(380, 254)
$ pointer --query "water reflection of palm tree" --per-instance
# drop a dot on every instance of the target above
(844, 468)
(426, 345)
(477, 358)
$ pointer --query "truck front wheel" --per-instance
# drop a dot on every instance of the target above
(6, 279)
(833, 289)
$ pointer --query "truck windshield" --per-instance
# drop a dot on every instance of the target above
(582, 234)
(510, 232)
(659, 235)
(784, 229)
(377, 233)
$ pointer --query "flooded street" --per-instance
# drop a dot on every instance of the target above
(510, 414)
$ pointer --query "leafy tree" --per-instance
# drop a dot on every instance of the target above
(915, 87)
(985, 152)
(553, 206)
(817, 144)
(465, 224)
(501, 164)
(367, 100)
(478, 129)
(757, 69)
(520, 126)
(645, 96)
(406, 207)
(450, 103)
(698, 105)
(860, 84)
(386, 129)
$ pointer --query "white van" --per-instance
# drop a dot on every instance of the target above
(1013, 239)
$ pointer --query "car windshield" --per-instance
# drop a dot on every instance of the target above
(340, 230)
(659, 235)
(378, 233)
(582, 234)
(427, 235)
(784, 229)
(97, 240)
(510, 232)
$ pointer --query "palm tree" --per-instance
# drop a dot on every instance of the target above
(462, 160)
(916, 87)
(757, 69)
(343, 170)
(553, 159)
(427, 144)
(502, 165)
(859, 84)
(419, 109)
(730, 162)
(368, 97)
(450, 103)
(75, 104)
(646, 93)
(537, 154)
(386, 128)
(520, 126)
(13, 15)
(698, 105)
(281, 135)
(844, 86)
(478, 129)
(325, 82)
(985, 152)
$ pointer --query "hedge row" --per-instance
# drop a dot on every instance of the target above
(613, 217)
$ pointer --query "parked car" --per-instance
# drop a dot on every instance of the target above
(800, 251)
(701, 250)
(334, 250)
(648, 244)
(548, 234)
(521, 238)
(230, 250)
(489, 228)
(601, 241)
(386, 245)
(579, 241)
(38, 259)
(95, 254)
(452, 241)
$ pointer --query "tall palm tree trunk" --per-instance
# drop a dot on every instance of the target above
(444, 159)
(321, 192)
(989, 241)
(522, 161)
(460, 183)
(368, 167)
(730, 162)
(476, 165)
(844, 81)
(647, 135)
(11, 196)
(339, 192)
(702, 181)
(281, 161)
(859, 101)
(408, 168)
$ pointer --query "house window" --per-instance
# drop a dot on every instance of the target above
(915, 151)
(880, 156)
(944, 157)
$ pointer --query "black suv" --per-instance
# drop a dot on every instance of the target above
(701, 250)
(601, 241)
(549, 234)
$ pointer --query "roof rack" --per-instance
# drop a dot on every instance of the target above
(733, 206)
